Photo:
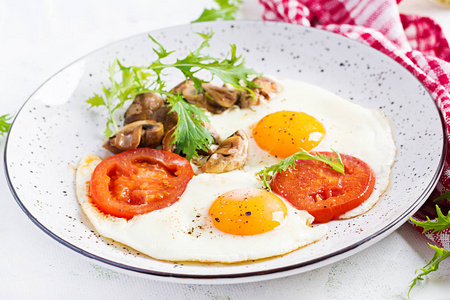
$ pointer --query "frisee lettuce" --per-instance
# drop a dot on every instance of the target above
(283, 165)
(437, 225)
(5, 124)
(442, 222)
(190, 135)
(226, 11)
(133, 82)
(433, 265)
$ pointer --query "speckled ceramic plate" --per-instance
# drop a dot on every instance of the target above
(54, 129)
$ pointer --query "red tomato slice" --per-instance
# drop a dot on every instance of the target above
(139, 181)
(323, 192)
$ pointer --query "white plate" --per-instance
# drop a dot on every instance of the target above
(54, 129)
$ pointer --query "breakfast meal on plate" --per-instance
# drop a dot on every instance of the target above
(246, 170)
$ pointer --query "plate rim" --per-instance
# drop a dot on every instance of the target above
(326, 259)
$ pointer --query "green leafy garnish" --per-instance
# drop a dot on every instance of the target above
(133, 82)
(5, 124)
(437, 225)
(127, 82)
(284, 164)
(227, 11)
(433, 265)
(230, 70)
(444, 196)
(190, 135)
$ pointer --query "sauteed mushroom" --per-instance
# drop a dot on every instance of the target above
(268, 89)
(231, 154)
(167, 141)
(169, 120)
(144, 133)
(215, 99)
(219, 96)
(192, 95)
(143, 107)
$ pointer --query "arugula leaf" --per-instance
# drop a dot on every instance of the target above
(190, 135)
(442, 222)
(5, 124)
(433, 265)
(290, 161)
(227, 11)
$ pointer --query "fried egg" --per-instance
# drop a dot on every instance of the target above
(322, 121)
(196, 228)
(184, 231)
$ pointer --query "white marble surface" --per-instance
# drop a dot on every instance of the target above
(37, 39)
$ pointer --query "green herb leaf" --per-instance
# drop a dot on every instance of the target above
(190, 134)
(442, 222)
(132, 81)
(96, 101)
(436, 226)
(230, 70)
(227, 11)
(445, 195)
(290, 161)
(433, 265)
(5, 124)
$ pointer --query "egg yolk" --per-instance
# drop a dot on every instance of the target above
(286, 132)
(247, 212)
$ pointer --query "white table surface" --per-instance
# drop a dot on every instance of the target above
(38, 38)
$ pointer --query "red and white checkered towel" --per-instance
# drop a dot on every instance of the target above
(417, 43)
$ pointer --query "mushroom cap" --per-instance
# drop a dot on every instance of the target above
(167, 118)
(268, 88)
(219, 96)
(143, 107)
(214, 99)
(230, 155)
(145, 133)
(190, 93)
(167, 144)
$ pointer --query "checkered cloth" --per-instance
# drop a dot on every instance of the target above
(417, 43)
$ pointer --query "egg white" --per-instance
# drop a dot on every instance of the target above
(184, 232)
(350, 129)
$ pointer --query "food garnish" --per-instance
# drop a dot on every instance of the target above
(190, 134)
(283, 165)
(434, 226)
(442, 222)
(5, 124)
(133, 81)
(433, 265)
(227, 11)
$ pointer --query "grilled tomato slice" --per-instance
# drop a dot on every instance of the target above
(139, 181)
(323, 192)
